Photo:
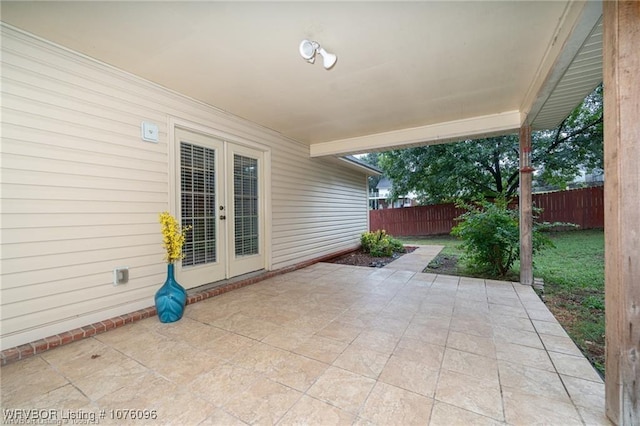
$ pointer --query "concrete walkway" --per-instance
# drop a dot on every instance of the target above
(417, 260)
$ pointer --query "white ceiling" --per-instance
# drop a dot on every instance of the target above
(400, 65)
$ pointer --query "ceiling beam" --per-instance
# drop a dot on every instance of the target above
(474, 127)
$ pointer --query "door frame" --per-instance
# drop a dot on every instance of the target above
(229, 135)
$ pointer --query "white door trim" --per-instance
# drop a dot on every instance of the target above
(174, 123)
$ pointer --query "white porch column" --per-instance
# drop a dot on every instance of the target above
(526, 207)
(622, 209)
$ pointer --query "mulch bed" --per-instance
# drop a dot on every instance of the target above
(360, 258)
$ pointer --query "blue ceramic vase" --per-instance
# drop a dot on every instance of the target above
(171, 298)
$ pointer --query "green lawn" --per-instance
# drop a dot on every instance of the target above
(573, 274)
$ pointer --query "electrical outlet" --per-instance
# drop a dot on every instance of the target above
(121, 275)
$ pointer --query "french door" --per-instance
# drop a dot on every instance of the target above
(220, 196)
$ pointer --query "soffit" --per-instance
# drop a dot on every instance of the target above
(401, 65)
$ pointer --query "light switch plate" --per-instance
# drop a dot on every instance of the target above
(149, 132)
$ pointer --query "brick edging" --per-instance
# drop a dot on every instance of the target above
(27, 350)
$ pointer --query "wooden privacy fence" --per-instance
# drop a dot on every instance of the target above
(584, 207)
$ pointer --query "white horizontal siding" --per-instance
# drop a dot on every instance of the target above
(81, 191)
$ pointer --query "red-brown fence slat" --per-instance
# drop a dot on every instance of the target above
(584, 207)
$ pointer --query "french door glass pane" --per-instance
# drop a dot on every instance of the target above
(245, 196)
(198, 196)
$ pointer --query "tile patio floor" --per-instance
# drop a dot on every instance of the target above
(329, 344)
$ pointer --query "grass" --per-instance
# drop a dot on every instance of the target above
(573, 274)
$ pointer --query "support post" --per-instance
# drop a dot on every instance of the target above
(526, 207)
(621, 22)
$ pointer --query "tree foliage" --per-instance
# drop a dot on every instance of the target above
(372, 158)
(489, 167)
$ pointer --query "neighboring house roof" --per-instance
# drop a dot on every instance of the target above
(384, 183)
(362, 165)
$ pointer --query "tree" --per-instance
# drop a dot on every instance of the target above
(489, 167)
(372, 158)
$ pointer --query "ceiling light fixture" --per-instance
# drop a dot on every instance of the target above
(308, 50)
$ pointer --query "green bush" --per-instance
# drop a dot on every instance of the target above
(380, 244)
(490, 236)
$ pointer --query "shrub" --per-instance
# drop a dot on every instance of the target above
(380, 244)
(491, 237)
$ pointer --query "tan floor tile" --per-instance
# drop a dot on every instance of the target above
(110, 379)
(286, 338)
(264, 402)
(419, 351)
(502, 298)
(391, 323)
(341, 388)
(432, 310)
(63, 398)
(532, 381)
(339, 331)
(594, 416)
(474, 300)
(474, 344)
(409, 375)
(141, 393)
(517, 311)
(525, 355)
(253, 328)
(230, 345)
(550, 328)
(446, 281)
(526, 409)
(450, 415)
(182, 408)
(24, 380)
(297, 371)
(390, 405)
(474, 365)
(520, 337)
(576, 366)
(512, 322)
(431, 322)
(221, 417)
(222, 383)
(261, 358)
(436, 336)
(480, 396)
(379, 341)
(585, 393)
(136, 342)
(85, 358)
(362, 360)
(562, 344)
(182, 363)
(273, 314)
(321, 348)
(470, 326)
(542, 314)
(310, 411)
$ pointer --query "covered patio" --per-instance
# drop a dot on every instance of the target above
(328, 344)
(355, 345)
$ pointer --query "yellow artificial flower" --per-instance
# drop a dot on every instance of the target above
(172, 237)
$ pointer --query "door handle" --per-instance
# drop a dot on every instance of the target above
(222, 217)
